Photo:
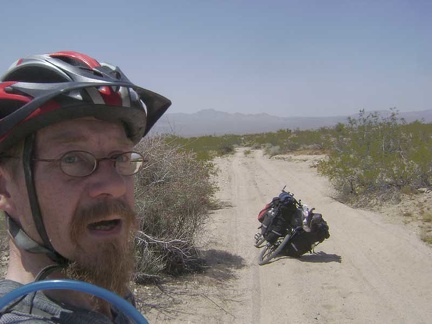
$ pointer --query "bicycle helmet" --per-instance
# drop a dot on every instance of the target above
(41, 90)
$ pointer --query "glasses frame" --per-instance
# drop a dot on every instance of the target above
(112, 158)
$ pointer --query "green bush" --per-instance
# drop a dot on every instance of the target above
(379, 156)
(283, 141)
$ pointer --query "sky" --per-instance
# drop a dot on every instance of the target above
(308, 58)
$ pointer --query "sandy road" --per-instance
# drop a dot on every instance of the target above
(369, 271)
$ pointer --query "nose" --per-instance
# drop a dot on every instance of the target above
(106, 181)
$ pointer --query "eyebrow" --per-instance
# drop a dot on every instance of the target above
(68, 138)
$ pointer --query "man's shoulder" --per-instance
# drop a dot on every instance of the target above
(37, 308)
(7, 286)
(32, 308)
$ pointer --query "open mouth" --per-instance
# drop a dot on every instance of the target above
(105, 226)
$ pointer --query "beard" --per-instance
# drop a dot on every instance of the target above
(108, 265)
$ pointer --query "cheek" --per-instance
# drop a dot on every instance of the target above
(130, 191)
(54, 197)
(57, 205)
(55, 191)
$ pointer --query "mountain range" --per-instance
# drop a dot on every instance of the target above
(213, 122)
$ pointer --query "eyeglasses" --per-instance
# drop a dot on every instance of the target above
(82, 163)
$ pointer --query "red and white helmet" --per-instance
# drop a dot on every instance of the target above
(40, 90)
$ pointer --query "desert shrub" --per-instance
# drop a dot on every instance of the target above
(174, 194)
(255, 146)
(3, 233)
(206, 147)
(285, 140)
(379, 156)
(301, 140)
(4, 251)
(271, 150)
(290, 146)
(226, 148)
(289, 141)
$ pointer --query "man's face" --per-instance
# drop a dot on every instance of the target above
(89, 220)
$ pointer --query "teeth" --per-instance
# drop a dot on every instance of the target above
(104, 225)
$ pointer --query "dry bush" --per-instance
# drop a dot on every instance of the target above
(174, 194)
(4, 251)
(271, 150)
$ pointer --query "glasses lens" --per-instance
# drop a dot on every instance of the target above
(129, 163)
(78, 163)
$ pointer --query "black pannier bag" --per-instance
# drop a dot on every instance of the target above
(299, 244)
(319, 227)
(302, 242)
(274, 226)
(282, 215)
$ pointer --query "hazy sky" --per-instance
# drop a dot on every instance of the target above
(284, 58)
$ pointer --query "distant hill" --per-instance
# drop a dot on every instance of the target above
(213, 122)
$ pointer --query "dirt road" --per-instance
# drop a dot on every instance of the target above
(371, 270)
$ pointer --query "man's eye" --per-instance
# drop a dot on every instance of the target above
(77, 157)
(70, 159)
(122, 157)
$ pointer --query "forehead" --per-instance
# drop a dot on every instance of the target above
(83, 130)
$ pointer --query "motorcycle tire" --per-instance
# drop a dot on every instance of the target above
(270, 251)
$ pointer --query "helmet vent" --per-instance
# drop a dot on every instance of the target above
(72, 61)
(36, 74)
(78, 63)
(95, 72)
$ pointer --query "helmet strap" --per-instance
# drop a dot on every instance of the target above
(22, 240)
(47, 247)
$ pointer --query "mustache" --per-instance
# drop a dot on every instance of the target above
(101, 209)
(98, 211)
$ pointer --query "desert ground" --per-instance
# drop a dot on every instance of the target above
(373, 268)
